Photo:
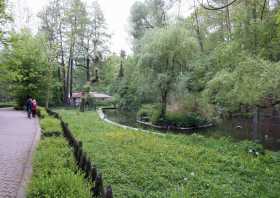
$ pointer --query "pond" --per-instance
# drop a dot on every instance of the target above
(238, 128)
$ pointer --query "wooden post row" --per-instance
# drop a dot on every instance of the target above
(98, 189)
(109, 192)
(84, 163)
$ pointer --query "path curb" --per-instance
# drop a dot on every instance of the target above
(27, 173)
(102, 116)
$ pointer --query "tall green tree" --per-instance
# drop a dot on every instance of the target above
(148, 15)
(165, 53)
(27, 64)
(4, 19)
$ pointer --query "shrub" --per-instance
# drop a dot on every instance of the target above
(146, 110)
(185, 119)
(101, 103)
(149, 112)
(50, 125)
(41, 112)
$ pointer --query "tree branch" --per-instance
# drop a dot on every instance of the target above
(211, 7)
(263, 8)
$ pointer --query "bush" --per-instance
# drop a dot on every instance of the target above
(50, 125)
(185, 120)
(149, 112)
(101, 103)
(146, 110)
(127, 97)
(41, 112)
(196, 103)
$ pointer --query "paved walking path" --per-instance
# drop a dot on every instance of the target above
(18, 137)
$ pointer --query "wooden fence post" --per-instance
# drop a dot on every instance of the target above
(80, 144)
(88, 168)
(93, 173)
(81, 159)
(83, 162)
(109, 192)
(98, 189)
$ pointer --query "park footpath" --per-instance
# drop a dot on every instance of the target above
(18, 138)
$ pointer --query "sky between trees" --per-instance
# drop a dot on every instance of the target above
(116, 14)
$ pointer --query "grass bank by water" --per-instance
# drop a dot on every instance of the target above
(138, 164)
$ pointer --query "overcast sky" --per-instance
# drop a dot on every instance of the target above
(116, 13)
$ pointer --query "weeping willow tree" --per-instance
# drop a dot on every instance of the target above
(165, 53)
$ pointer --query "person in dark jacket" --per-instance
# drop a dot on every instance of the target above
(29, 106)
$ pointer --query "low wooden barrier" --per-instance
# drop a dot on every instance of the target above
(84, 162)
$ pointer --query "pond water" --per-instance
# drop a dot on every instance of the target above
(238, 128)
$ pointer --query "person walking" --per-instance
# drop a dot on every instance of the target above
(34, 108)
(29, 106)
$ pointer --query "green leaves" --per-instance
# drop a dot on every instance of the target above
(26, 63)
(249, 81)
(164, 54)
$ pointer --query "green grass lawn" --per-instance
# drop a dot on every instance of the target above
(55, 173)
(139, 164)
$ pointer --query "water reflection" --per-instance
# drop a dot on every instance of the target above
(239, 128)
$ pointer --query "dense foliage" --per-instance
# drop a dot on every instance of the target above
(26, 68)
(224, 58)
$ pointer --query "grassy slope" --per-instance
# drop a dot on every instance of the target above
(54, 171)
(147, 165)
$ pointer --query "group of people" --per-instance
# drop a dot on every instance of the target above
(31, 107)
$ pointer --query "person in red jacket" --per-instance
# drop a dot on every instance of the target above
(34, 108)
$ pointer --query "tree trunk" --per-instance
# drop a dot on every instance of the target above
(71, 77)
(256, 120)
(83, 105)
(65, 93)
(197, 29)
(228, 22)
(49, 86)
(60, 80)
(121, 72)
(68, 79)
(254, 13)
(163, 103)
(88, 69)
